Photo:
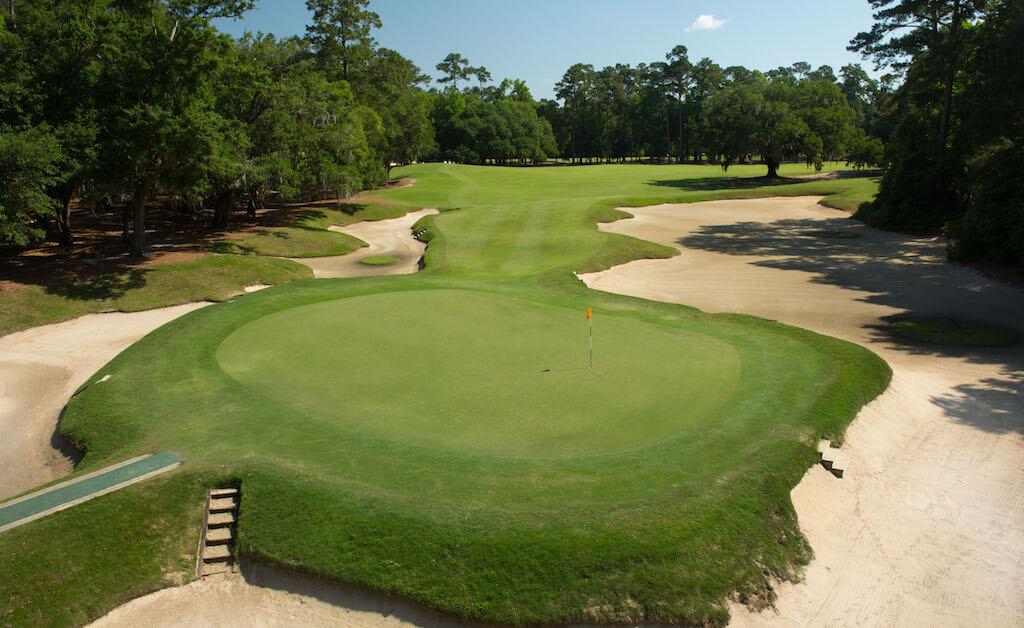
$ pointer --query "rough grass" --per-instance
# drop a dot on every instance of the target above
(74, 566)
(292, 242)
(663, 530)
(210, 278)
(950, 331)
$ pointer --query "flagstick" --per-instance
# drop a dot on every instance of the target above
(590, 325)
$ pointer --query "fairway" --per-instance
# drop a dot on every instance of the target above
(476, 373)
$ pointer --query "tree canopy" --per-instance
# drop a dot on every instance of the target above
(123, 102)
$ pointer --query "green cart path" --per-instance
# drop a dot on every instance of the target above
(67, 494)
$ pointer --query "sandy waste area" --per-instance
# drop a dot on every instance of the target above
(926, 527)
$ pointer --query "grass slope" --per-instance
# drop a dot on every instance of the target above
(210, 278)
(454, 491)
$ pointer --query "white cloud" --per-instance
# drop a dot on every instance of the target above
(706, 23)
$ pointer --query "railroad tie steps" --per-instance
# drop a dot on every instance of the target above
(217, 544)
(831, 458)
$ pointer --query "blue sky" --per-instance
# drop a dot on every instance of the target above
(537, 40)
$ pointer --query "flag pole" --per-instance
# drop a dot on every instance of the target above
(590, 327)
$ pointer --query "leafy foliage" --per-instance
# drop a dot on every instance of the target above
(955, 153)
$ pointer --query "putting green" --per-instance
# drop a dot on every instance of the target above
(501, 376)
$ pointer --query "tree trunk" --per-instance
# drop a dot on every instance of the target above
(222, 208)
(126, 223)
(668, 134)
(138, 239)
(64, 221)
(947, 99)
(682, 146)
(773, 167)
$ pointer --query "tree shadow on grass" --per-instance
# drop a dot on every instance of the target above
(106, 286)
(703, 184)
(909, 275)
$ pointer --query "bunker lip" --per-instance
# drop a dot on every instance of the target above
(43, 366)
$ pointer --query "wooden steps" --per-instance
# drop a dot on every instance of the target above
(217, 544)
(831, 458)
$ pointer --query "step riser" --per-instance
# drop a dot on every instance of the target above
(216, 547)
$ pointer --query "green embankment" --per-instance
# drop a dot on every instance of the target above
(210, 278)
(441, 438)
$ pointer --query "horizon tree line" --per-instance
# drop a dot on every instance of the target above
(118, 103)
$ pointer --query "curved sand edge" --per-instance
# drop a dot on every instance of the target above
(263, 596)
(384, 237)
(40, 368)
(927, 526)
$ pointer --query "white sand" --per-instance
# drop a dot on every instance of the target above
(927, 526)
(385, 237)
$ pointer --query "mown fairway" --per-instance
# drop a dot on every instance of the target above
(440, 437)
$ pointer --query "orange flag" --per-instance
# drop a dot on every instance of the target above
(588, 313)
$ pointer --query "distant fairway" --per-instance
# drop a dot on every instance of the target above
(439, 436)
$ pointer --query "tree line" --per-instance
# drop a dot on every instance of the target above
(116, 102)
(956, 148)
(672, 110)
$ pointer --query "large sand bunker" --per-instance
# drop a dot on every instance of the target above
(927, 526)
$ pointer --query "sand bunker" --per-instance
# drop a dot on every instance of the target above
(392, 237)
(261, 596)
(40, 368)
(927, 526)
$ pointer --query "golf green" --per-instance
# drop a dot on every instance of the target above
(500, 376)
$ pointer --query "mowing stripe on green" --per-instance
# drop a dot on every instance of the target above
(66, 494)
